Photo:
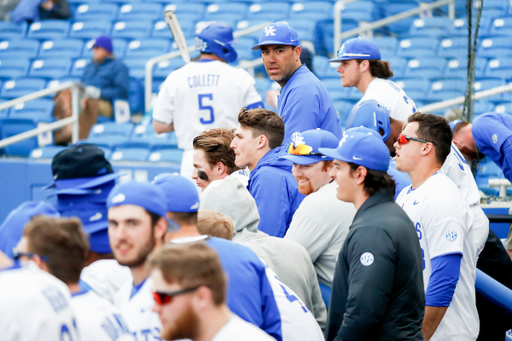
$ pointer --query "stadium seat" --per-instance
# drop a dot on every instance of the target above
(434, 26)
(56, 82)
(148, 48)
(503, 107)
(112, 129)
(487, 83)
(443, 89)
(97, 11)
(90, 29)
(262, 84)
(156, 85)
(360, 11)
(453, 47)
(386, 44)
(48, 29)
(9, 30)
(136, 96)
(50, 68)
(269, 11)
(46, 152)
(481, 106)
(140, 11)
(460, 26)
(413, 84)
(11, 127)
(417, 46)
(389, 8)
(312, 10)
(164, 68)
(187, 8)
(132, 29)
(306, 29)
(21, 87)
(70, 48)
(457, 67)
(493, 12)
(136, 67)
(39, 110)
(130, 154)
(428, 67)
(344, 108)
(488, 170)
(214, 10)
(77, 68)
(489, 46)
(146, 134)
(499, 67)
(398, 66)
(161, 29)
(166, 155)
(19, 48)
(418, 96)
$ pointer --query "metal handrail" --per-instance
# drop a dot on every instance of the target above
(339, 36)
(339, 6)
(148, 83)
(49, 127)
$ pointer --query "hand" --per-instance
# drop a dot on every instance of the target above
(47, 5)
(92, 92)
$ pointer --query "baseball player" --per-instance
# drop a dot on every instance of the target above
(304, 102)
(137, 225)
(362, 67)
(60, 247)
(204, 94)
(443, 222)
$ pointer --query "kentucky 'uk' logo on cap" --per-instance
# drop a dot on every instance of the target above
(118, 198)
(343, 140)
(297, 139)
(270, 31)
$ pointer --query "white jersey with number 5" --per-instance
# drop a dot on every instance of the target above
(392, 96)
(443, 222)
(34, 306)
(297, 322)
(203, 95)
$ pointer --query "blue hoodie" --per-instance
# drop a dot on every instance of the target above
(111, 77)
(275, 191)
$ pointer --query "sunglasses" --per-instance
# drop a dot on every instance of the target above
(162, 298)
(301, 149)
(17, 255)
(403, 139)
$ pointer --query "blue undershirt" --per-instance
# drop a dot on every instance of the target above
(443, 280)
(136, 288)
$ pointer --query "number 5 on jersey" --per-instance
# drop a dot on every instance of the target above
(203, 101)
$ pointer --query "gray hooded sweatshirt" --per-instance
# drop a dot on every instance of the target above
(288, 259)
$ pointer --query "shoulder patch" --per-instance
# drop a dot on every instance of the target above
(367, 259)
(495, 138)
(451, 235)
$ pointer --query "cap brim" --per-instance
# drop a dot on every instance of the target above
(83, 183)
(306, 159)
(332, 152)
(272, 42)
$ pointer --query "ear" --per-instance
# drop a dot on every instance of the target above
(202, 298)
(262, 142)
(364, 66)
(221, 168)
(297, 51)
(39, 262)
(361, 174)
(427, 149)
(160, 229)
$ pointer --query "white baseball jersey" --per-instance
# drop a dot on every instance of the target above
(98, 319)
(34, 306)
(297, 322)
(458, 170)
(443, 222)
(136, 310)
(203, 95)
(105, 277)
(237, 329)
(392, 96)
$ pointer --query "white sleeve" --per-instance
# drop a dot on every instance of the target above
(164, 107)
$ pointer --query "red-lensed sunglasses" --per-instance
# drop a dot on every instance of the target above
(403, 139)
(162, 298)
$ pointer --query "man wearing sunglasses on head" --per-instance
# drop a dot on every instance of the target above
(443, 222)
(190, 296)
(321, 222)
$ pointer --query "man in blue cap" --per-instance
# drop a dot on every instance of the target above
(304, 102)
(362, 67)
(377, 292)
(321, 222)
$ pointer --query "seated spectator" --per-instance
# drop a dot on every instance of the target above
(105, 79)
(36, 10)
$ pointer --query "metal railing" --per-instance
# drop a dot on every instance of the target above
(51, 126)
(148, 83)
(364, 27)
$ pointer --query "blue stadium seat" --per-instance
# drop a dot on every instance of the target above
(90, 29)
(21, 87)
(77, 69)
(499, 67)
(481, 106)
(489, 46)
(71, 48)
(460, 26)
(161, 29)
(418, 96)
(136, 96)
(164, 68)
(398, 66)
(262, 84)
(306, 29)
(39, 110)
(243, 47)
(157, 84)
(487, 83)
(386, 44)
(488, 170)
(389, 8)
(492, 13)
(140, 11)
(130, 154)
(243, 24)
(453, 47)
(187, 8)
(496, 4)
(132, 29)
(435, 26)
(11, 127)
(429, 67)
(344, 108)
(46, 152)
(312, 10)
(360, 11)
(56, 82)
(136, 67)
(214, 10)
(124, 1)
(413, 84)
(146, 134)
(332, 84)
(19, 48)
(118, 45)
(148, 48)
(48, 29)
(124, 130)
(50, 68)
(166, 155)
(10, 30)
(97, 11)
(269, 11)
(443, 89)
(500, 25)
(106, 142)
(503, 107)
(417, 46)
(457, 67)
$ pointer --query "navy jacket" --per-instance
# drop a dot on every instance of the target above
(276, 192)
(111, 77)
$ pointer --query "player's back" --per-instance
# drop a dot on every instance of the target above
(105, 277)
(98, 319)
(34, 305)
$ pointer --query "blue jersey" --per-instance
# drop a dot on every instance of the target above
(305, 104)
(493, 137)
(249, 293)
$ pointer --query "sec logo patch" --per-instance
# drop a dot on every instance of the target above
(367, 259)
(495, 138)
(451, 235)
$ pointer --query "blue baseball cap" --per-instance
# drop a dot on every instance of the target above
(94, 217)
(99, 242)
(357, 48)
(362, 148)
(12, 228)
(310, 141)
(453, 124)
(141, 194)
(181, 194)
(371, 114)
(104, 42)
(278, 33)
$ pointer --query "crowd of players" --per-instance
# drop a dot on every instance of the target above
(301, 231)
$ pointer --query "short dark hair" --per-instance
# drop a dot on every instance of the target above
(63, 242)
(263, 122)
(435, 129)
(216, 145)
(184, 218)
(379, 68)
(375, 181)
(459, 126)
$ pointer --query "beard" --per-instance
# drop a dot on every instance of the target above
(305, 188)
(185, 326)
(144, 252)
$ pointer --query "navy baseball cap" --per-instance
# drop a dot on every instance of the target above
(371, 114)
(357, 48)
(453, 124)
(181, 194)
(278, 33)
(104, 42)
(362, 148)
(142, 194)
(304, 148)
